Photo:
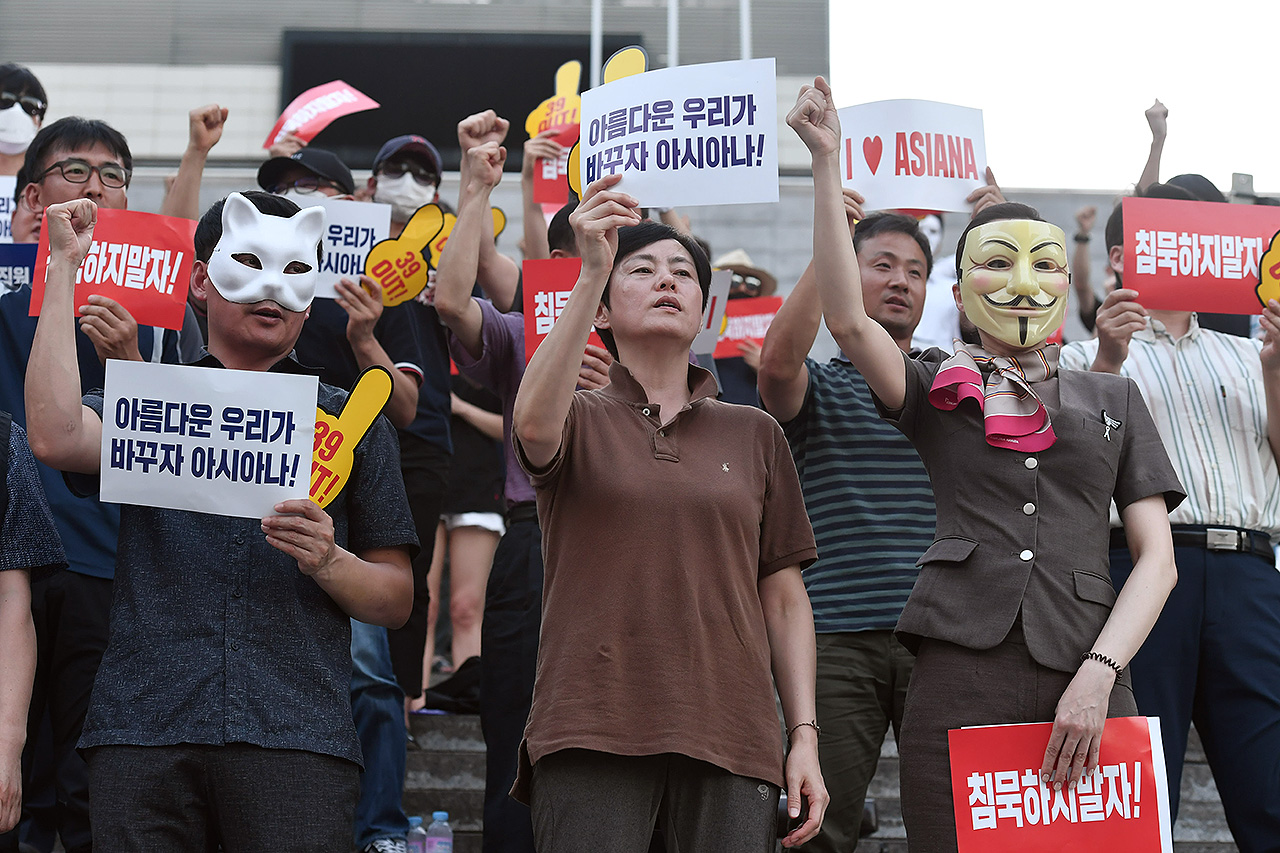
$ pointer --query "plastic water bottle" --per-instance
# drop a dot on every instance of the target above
(439, 835)
(415, 840)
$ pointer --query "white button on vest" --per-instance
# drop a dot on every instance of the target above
(1028, 508)
(1031, 462)
(645, 411)
(1026, 555)
(662, 433)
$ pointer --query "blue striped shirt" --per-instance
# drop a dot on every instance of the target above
(869, 500)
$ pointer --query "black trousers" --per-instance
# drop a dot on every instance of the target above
(240, 797)
(72, 615)
(425, 467)
(509, 649)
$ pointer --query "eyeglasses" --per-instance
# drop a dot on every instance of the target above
(305, 185)
(421, 174)
(30, 104)
(76, 171)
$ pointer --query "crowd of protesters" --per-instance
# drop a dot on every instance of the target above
(952, 523)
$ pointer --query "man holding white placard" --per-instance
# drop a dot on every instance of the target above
(222, 702)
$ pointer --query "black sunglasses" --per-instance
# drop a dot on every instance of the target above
(421, 174)
(30, 104)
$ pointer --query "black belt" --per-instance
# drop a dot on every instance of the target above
(1212, 539)
(523, 511)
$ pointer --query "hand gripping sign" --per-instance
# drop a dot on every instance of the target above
(1003, 806)
(402, 265)
(1201, 256)
(691, 135)
(912, 154)
(316, 108)
(141, 260)
(337, 437)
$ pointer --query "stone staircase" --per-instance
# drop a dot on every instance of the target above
(447, 772)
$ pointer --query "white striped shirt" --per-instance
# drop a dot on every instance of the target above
(1205, 392)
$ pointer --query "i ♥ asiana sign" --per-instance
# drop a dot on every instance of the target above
(912, 154)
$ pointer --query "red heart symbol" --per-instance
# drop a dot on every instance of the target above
(872, 148)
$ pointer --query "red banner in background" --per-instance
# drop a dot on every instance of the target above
(1197, 255)
(1002, 806)
(746, 320)
(314, 110)
(547, 285)
(551, 177)
(141, 260)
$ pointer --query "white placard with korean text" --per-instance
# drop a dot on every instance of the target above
(351, 229)
(686, 136)
(224, 442)
(8, 183)
(921, 155)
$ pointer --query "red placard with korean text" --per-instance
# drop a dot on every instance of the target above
(746, 319)
(141, 260)
(316, 108)
(1198, 256)
(547, 284)
(1002, 806)
(551, 177)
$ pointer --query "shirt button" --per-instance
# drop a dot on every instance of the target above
(235, 593)
(239, 540)
(235, 645)
(1026, 556)
(1031, 462)
(662, 433)
(1028, 508)
(645, 411)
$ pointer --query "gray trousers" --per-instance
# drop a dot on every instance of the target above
(595, 802)
(244, 798)
(953, 687)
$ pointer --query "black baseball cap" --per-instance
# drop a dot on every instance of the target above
(326, 164)
(411, 144)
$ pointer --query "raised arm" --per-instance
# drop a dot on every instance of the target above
(783, 377)
(546, 391)
(788, 620)
(1158, 120)
(63, 432)
(1271, 372)
(866, 343)
(363, 304)
(205, 129)
(541, 147)
(497, 275)
(1082, 710)
(1119, 317)
(1081, 279)
(460, 258)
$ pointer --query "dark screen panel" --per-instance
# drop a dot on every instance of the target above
(428, 82)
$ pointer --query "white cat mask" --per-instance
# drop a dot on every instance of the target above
(276, 242)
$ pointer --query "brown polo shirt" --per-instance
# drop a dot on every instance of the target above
(654, 540)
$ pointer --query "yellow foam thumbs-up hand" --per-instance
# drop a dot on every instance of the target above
(561, 109)
(1269, 272)
(336, 438)
(402, 265)
(627, 62)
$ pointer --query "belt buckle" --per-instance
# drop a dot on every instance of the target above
(1222, 539)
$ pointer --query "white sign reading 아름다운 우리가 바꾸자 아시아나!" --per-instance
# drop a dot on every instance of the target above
(920, 155)
(351, 229)
(225, 442)
(686, 136)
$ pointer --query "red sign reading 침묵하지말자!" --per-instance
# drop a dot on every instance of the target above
(141, 260)
(1003, 806)
(313, 111)
(1199, 255)
(547, 285)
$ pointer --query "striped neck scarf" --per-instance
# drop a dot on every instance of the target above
(1012, 415)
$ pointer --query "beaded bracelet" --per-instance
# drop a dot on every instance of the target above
(1103, 659)
(813, 724)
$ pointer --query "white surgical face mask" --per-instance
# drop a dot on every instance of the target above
(17, 129)
(276, 242)
(404, 194)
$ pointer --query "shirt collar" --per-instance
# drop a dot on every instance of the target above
(288, 364)
(623, 386)
(1155, 329)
